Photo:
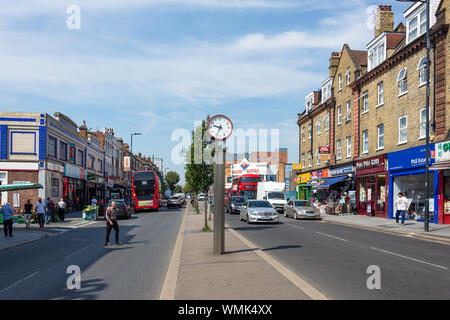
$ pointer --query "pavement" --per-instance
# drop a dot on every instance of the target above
(411, 228)
(135, 270)
(241, 273)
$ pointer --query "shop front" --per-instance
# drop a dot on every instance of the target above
(372, 183)
(407, 175)
(442, 165)
(95, 187)
(304, 186)
(74, 187)
(54, 181)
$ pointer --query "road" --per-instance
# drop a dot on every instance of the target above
(334, 258)
(134, 270)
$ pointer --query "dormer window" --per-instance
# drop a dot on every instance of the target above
(326, 89)
(309, 102)
(417, 25)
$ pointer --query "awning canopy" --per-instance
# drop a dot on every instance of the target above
(15, 187)
(331, 181)
(440, 166)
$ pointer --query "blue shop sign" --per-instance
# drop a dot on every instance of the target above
(410, 158)
(340, 171)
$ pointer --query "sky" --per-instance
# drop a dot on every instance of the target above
(156, 66)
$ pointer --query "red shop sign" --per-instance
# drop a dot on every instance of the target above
(370, 163)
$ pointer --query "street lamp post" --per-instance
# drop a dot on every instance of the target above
(134, 134)
(427, 117)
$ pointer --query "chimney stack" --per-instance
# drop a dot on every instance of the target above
(83, 129)
(334, 61)
(384, 20)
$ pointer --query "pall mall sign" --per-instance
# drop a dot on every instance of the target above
(324, 153)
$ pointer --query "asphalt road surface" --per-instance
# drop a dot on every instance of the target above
(334, 259)
(134, 270)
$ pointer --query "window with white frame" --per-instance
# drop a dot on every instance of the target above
(416, 26)
(326, 89)
(319, 126)
(402, 82)
(423, 123)
(348, 115)
(403, 129)
(303, 134)
(380, 93)
(365, 102)
(317, 157)
(327, 122)
(348, 75)
(309, 103)
(422, 67)
(309, 131)
(349, 146)
(365, 141)
(338, 149)
(340, 82)
(376, 55)
(303, 160)
(380, 139)
(309, 158)
(339, 115)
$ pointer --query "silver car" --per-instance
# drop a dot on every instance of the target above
(301, 209)
(259, 211)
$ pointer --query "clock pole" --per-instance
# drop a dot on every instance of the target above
(225, 127)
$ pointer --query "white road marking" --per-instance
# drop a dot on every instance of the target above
(82, 224)
(405, 257)
(20, 281)
(295, 226)
(328, 235)
(78, 251)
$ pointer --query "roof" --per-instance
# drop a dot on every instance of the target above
(393, 40)
(360, 57)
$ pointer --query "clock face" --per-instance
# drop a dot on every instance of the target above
(220, 127)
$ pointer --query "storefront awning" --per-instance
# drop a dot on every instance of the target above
(440, 166)
(15, 187)
(331, 181)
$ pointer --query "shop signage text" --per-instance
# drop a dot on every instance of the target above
(340, 171)
(370, 163)
(409, 158)
(443, 152)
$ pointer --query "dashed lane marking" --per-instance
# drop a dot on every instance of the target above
(329, 235)
(20, 281)
(409, 258)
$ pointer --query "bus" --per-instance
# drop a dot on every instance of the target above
(145, 188)
(245, 186)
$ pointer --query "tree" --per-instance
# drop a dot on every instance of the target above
(199, 173)
(172, 179)
(178, 189)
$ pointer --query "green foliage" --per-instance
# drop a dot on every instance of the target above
(172, 179)
(206, 229)
(178, 189)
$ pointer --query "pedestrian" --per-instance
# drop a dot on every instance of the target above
(48, 212)
(93, 201)
(52, 211)
(401, 204)
(28, 208)
(40, 209)
(61, 210)
(111, 223)
(7, 212)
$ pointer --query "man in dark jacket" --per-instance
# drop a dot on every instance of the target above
(111, 222)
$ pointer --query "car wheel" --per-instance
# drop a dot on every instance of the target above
(295, 215)
(285, 213)
(248, 220)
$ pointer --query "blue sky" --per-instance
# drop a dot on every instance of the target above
(154, 66)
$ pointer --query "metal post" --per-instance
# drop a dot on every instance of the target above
(219, 200)
(427, 168)
(131, 143)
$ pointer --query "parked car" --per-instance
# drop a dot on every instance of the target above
(258, 211)
(301, 209)
(174, 201)
(201, 197)
(234, 205)
(123, 209)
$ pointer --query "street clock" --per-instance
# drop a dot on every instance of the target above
(220, 127)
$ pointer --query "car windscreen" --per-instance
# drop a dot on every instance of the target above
(303, 204)
(275, 195)
(259, 204)
(118, 203)
(238, 200)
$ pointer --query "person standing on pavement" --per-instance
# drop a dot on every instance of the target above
(48, 212)
(111, 222)
(40, 209)
(93, 201)
(61, 210)
(401, 204)
(28, 208)
(7, 212)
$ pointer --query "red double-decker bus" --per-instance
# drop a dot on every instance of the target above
(245, 186)
(145, 188)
